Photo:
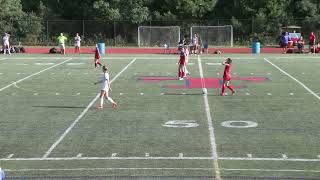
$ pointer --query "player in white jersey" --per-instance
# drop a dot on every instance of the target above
(195, 43)
(105, 88)
(6, 44)
(186, 51)
(77, 43)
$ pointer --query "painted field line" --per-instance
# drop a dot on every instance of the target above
(105, 158)
(34, 74)
(273, 170)
(96, 169)
(299, 82)
(214, 153)
(142, 168)
(299, 57)
(114, 157)
(268, 159)
(2, 59)
(54, 145)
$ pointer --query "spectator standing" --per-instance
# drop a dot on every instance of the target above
(61, 43)
(6, 44)
(2, 174)
(300, 44)
(312, 42)
(195, 43)
(284, 42)
(77, 43)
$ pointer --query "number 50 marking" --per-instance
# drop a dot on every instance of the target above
(181, 124)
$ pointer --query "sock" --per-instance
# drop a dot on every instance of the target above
(186, 70)
(179, 74)
(110, 99)
(223, 89)
(101, 101)
(183, 74)
(231, 88)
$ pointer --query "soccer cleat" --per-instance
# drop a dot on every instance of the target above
(114, 105)
(99, 107)
(222, 94)
(180, 79)
(233, 93)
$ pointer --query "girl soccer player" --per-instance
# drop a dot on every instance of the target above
(105, 87)
(97, 57)
(77, 43)
(182, 64)
(186, 51)
(227, 76)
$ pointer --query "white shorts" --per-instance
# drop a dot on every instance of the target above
(105, 88)
(77, 44)
(61, 46)
(6, 44)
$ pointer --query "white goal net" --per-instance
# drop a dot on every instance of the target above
(158, 36)
(214, 35)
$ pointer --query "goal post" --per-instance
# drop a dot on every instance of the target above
(158, 36)
(214, 35)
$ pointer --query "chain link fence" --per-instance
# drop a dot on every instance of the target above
(125, 33)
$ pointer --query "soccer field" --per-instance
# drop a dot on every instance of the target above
(164, 128)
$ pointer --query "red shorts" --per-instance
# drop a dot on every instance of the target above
(227, 78)
(97, 56)
(182, 61)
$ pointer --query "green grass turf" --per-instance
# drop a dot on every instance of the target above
(39, 110)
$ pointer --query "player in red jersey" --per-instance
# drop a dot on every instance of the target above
(182, 64)
(97, 57)
(227, 76)
(312, 42)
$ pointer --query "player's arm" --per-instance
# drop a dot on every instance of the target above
(109, 85)
(224, 62)
(98, 82)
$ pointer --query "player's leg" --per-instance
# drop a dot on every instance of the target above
(102, 94)
(223, 89)
(181, 71)
(185, 67)
(114, 104)
(8, 48)
(229, 86)
(64, 49)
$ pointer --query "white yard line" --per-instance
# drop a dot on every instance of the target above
(273, 170)
(34, 74)
(2, 59)
(106, 158)
(299, 82)
(269, 159)
(96, 169)
(214, 153)
(57, 142)
(143, 168)
(161, 158)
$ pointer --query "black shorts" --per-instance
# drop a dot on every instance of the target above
(311, 43)
(284, 45)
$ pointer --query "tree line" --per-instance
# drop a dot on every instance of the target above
(25, 17)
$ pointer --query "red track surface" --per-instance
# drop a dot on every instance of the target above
(115, 50)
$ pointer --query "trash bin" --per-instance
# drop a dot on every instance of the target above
(256, 48)
(102, 48)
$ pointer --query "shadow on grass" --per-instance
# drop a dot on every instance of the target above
(189, 94)
(62, 107)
